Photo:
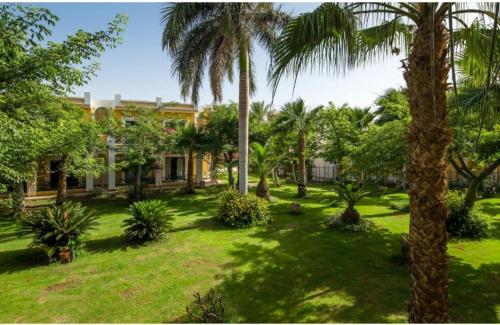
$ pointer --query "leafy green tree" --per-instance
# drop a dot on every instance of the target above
(261, 159)
(189, 140)
(295, 116)
(221, 132)
(219, 35)
(141, 142)
(382, 150)
(33, 70)
(337, 37)
(392, 105)
(338, 134)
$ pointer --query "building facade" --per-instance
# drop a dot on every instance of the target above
(169, 171)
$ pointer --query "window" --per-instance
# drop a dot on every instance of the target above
(172, 125)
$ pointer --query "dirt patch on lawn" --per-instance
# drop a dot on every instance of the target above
(70, 282)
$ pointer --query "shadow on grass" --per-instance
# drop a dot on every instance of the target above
(21, 259)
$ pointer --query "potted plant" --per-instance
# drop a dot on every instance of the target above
(65, 255)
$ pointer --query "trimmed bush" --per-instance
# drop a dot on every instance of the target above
(242, 211)
(463, 222)
(401, 205)
(149, 221)
(58, 228)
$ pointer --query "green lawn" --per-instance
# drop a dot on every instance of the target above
(292, 270)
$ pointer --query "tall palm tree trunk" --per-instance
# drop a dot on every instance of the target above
(62, 183)
(190, 173)
(428, 138)
(244, 107)
(302, 174)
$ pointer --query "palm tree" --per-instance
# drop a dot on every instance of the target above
(261, 159)
(337, 37)
(295, 116)
(189, 140)
(260, 111)
(218, 35)
(350, 193)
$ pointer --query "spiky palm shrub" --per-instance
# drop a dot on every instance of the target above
(149, 221)
(340, 36)
(58, 228)
(260, 157)
(220, 37)
(350, 193)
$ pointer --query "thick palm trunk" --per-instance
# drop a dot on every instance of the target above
(302, 173)
(263, 188)
(428, 138)
(62, 183)
(190, 174)
(244, 107)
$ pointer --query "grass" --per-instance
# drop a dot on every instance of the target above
(292, 270)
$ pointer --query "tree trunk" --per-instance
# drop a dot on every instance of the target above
(18, 199)
(213, 168)
(62, 184)
(302, 173)
(471, 195)
(190, 174)
(138, 183)
(230, 176)
(276, 179)
(428, 138)
(244, 107)
(263, 188)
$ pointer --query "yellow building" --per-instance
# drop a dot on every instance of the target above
(170, 171)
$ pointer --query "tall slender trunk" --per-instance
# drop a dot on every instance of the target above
(190, 173)
(244, 107)
(428, 138)
(302, 174)
(62, 184)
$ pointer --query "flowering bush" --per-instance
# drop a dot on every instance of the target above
(241, 211)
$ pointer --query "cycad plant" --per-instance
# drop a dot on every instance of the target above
(260, 157)
(337, 37)
(58, 228)
(149, 221)
(295, 116)
(350, 193)
(219, 36)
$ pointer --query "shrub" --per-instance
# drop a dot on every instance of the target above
(401, 205)
(464, 222)
(208, 308)
(351, 193)
(149, 221)
(338, 222)
(58, 228)
(241, 211)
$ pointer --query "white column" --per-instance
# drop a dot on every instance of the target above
(199, 168)
(186, 159)
(31, 185)
(111, 162)
(89, 182)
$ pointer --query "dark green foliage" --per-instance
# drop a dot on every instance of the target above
(465, 222)
(401, 205)
(241, 211)
(57, 228)
(208, 308)
(338, 221)
(149, 221)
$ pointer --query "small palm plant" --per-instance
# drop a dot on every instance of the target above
(58, 228)
(260, 159)
(351, 193)
(149, 221)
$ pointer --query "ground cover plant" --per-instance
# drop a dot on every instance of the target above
(290, 270)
